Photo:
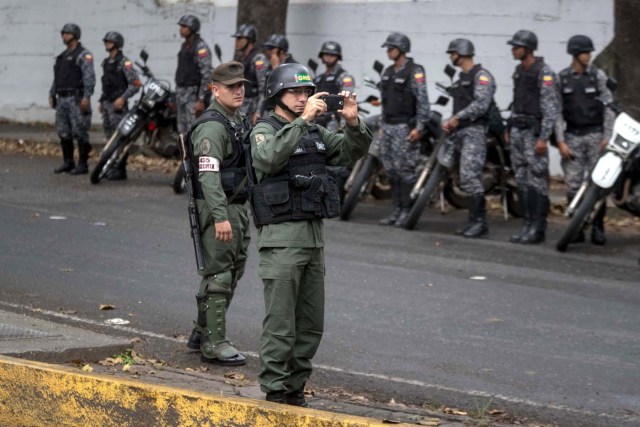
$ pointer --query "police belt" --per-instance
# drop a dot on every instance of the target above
(71, 92)
(466, 123)
(525, 122)
(111, 97)
(584, 130)
(411, 121)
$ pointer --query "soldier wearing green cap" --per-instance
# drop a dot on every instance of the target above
(215, 142)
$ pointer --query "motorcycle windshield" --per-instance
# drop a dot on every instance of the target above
(155, 91)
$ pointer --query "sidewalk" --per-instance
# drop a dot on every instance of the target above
(51, 376)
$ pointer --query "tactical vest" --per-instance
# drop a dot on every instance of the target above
(250, 87)
(188, 72)
(398, 102)
(67, 73)
(232, 169)
(114, 82)
(463, 91)
(526, 90)
(303, 190)
(581, 107)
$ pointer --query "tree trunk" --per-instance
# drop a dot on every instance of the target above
(268, 16)
(621, 58)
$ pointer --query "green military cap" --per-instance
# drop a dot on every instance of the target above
(229, 73)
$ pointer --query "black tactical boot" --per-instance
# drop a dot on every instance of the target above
(405, 203)
(523, 195)
(597, 227)
(578, 238)
(296, 398)
(396, 195)
(83, 156)
(67, 156)
(214, 345)
(276, 397)
(537, 232)
(478, 227)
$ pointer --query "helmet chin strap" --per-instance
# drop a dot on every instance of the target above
(282, 105)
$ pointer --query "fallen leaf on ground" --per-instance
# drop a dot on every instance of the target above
(236, 376)
(453, 411)
(189, 370)
(107, 307)
(63, 311)
(497, 412)
(87, 368)
(430, 422)
(135, 340)
(126, 368)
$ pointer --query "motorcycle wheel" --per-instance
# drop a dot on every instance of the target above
(179, 181)
(579, 218)
(360, 183)
(424, 197)
(107, 160)
(455, 195)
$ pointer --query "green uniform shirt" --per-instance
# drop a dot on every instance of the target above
(212, 139)
(271, 151)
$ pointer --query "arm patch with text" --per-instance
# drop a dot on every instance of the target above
(208, 164)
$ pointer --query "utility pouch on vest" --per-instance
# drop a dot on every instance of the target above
(276, 196)
(331, 197)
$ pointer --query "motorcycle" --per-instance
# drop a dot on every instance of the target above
(616, 173)
(153, 116)
(440, 172)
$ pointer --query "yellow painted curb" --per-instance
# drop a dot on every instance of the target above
(38, 394)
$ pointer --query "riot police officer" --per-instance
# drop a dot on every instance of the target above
(119, 83)
(405, 111)
(534, 112)
(276, 48)
(291, 196)
(335, 79)
(217, 153)
(583, 89)
(472, 98)
(255, 68)
(73, 84)
(193, 73)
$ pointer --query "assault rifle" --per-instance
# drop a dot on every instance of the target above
(193, 210)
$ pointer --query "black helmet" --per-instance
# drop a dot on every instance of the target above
(579, 44)
(287, 76)
(71, 29)
(524, 38)
(114, 37)
(398, 40)
(462, 47)
(247, 31)
(277, 40)
(332, 48)
(190, 22)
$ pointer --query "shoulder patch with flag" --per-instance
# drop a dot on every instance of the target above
(259, 64)
(202, 53)
(419, 77)
(128, 65)
(547, 80)
(347, 81)
(484, 80)
(88, 57)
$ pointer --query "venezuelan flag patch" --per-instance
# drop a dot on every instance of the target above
(419, 77)
(347, 82)
(202, 53)
(128, 65)
(484, 80)
(547, 80)
(88, 57)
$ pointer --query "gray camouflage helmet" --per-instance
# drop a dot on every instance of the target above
(276, 40)
(71, 29)
(190, 22)
(524, 38)
(114, 37)
(288, 76)
(248, 31)
(332, 48)
(579, 44)
(462, 47)
(399, 41)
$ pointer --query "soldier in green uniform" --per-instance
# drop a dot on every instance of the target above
(290, 195)
(215, 142)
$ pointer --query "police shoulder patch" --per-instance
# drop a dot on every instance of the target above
(260, 138)
(88, 57)
(203, 52)
(205, 146)
(128, 64)
(208, 164)
(547, 80)
(419, 76)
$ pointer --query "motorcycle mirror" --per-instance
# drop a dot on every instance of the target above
(442, 100)
(144, 55)
(218, 51)
(313, 65)
(450, 71)
(378, 67)
(371, 99)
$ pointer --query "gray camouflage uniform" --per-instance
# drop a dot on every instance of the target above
(530, 169)
(110, 117)
(187, 96)
(258, 66)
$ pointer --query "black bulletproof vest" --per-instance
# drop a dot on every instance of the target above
(329, 82)
(114, 82)
(250, 87)
(233, 168)
(188, 73)
(67, 73)
(398, 102)
(526, 90)
(462, 91)
(302, 190)
(580, 107)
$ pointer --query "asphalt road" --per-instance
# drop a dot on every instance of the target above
(422, 316)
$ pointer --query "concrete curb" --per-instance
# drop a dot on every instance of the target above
(38, 394)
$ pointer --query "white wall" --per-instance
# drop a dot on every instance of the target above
(30, 39)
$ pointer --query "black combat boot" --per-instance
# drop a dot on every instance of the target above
(597, 227)
(578, 238)
(119, 172)
(83, 156)
(405, 203)
(396, 196)
(296, 398)
(276, 397)
(67, 156)
(537, 232)
(523, 195)
(477, 227)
